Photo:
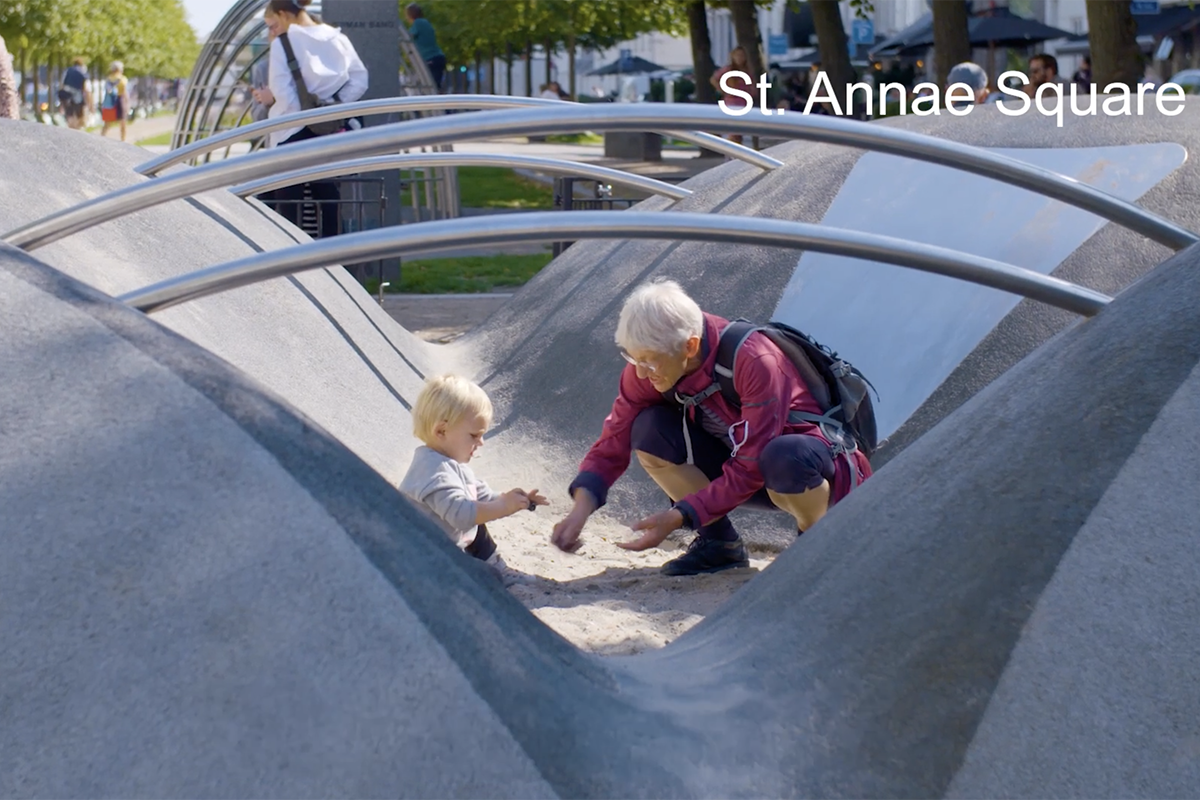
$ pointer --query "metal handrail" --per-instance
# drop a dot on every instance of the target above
(428, 237)
(417, 160)
(389, 138)
(393, 105)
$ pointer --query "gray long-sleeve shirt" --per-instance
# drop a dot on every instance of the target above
(448, 492)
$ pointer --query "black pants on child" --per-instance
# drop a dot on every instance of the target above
(483, 546)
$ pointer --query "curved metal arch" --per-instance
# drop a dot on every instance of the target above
(211, 89)
(393, 105)
(388, 138)
(216, 83)
(215, 55)
(418, 160)
(552, 226)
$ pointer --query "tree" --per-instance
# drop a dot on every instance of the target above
(951, 39)
(832, 46)
(744, 15)
(702, 61)
(1112, 36)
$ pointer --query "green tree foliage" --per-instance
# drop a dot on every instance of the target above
(469, 27)
(151, 37)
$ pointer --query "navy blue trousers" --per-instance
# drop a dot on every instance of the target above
(789, 464)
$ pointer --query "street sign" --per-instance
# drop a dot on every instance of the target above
(1144, 7)
(777, 44)
(862, 31)
(626, 54)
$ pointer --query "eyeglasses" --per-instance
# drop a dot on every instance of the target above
(641, 364)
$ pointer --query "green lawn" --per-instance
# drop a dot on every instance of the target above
(498, 187)
(467, 275)
(491, 187)
(575, 138)
(152, 141)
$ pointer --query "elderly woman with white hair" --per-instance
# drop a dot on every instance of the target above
(707, 456)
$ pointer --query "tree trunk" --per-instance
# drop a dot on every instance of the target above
(833, 49)
(492, 72)
(528, 68)
(37, 92)
(702, 62)
(508, 87)
(549, 45)
(1112, 37)
(744, 14)
(571, 65)
(951, 41)
(478, 72)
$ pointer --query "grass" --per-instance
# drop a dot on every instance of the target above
(152, 141)
(492, 187)
(466, 275)
(498, 187)
(575, 138)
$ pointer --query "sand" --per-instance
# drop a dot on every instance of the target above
(604, 599)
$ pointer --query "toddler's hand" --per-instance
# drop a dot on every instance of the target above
(515, 500)
(535, 500)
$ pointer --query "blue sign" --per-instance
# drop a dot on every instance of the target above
(1144, 7)
(777, 44)
(862, 31)
(626, 54)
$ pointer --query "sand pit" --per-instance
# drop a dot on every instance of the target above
(606, 600)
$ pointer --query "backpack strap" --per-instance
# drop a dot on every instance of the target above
(729, 344)
(690, 401)
(294, 67)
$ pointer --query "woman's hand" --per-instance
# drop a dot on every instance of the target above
(263, 97)
(657, 528)
(567, 532)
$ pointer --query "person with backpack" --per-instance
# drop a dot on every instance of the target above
(723, 414)
(311, 64)
(114, 108)
(75, 97)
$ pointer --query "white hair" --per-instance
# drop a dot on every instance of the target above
(659, 317)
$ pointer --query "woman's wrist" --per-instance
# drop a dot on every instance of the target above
(585, 501)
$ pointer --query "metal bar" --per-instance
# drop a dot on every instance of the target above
(414, 160)
(389, 138)
(553, 225)
(392, 105)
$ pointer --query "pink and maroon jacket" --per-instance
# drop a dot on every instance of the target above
(769, 387)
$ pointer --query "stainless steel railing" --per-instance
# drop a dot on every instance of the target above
(419, 160)
(551, 226)
(389, 138)
(392, 105)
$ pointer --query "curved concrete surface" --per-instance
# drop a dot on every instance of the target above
(206, 594)
(317, 339)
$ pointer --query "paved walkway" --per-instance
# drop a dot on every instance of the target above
(441, 317)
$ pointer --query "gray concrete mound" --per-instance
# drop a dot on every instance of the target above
(206, 594)
(316, 338)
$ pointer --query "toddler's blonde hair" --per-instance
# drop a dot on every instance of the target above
(450, 399)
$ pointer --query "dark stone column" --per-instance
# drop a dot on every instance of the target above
(373, 27)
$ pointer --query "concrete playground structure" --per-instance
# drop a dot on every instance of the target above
(210, 587)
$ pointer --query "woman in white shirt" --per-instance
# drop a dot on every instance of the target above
(331, 70)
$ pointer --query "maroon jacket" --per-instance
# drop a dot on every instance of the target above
(769, 386)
